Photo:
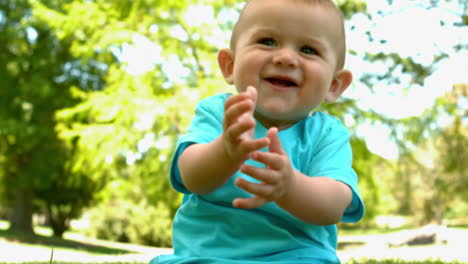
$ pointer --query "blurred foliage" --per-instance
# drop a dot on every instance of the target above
(79, 129)
(126, 221)
(369, 187)
(431, 171)
(31, 153)
(397, 64)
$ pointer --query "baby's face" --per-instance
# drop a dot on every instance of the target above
(287, 50)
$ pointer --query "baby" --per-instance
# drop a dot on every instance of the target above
(264, 180)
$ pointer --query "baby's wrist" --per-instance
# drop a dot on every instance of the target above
(285, 199)
(231, 155)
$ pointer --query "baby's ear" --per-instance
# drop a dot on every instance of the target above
(341, 82)
(226, 64)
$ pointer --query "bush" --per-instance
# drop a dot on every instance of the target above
(124, 221)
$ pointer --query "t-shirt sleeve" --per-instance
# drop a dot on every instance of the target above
(333, 158)
(205, 127)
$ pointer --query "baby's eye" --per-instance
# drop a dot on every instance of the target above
(309, 50)
(267, 42)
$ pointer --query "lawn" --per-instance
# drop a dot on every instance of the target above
(354, 248)
(349, 262)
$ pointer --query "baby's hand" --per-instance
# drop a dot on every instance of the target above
(249, 134)
(239, 126)
(275, 178)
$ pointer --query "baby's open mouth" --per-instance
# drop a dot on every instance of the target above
(283, 82)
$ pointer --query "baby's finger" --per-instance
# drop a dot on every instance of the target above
(271, 160)
(234, 99)
(254, 145)
(259, 189)
(252, 93)
(249, 203)
(275, 145)
(261, 174)
(235, 111)
(234, 130)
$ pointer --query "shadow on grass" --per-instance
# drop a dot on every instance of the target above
(459, 226)
(350, 245)
(388, 261)
(55, 242)
(59, 262)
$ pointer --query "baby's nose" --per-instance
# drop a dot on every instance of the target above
(285, 57)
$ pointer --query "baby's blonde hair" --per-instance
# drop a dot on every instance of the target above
(341, 45)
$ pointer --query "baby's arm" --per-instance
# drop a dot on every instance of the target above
(206, 167)
(316, 200)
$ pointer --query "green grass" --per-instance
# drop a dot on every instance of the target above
(45, 240)
(59, 262)
(460, 226)
(391, 261)
(59, 243)
(349, 262)
(343, 230)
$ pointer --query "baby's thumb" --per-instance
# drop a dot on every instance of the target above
(253, 93)
(275, 143)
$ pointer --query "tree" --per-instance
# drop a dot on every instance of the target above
(105, 132)
(35, 75)
(32, 62)
(445, 169)
(431, 174)
(407, 72)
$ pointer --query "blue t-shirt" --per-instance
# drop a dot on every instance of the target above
(208, 229)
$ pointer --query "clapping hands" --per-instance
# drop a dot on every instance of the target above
(239, 125)
(275, 178)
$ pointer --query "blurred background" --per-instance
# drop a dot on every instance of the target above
(94, 94)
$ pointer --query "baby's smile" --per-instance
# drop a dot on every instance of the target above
(280, 81)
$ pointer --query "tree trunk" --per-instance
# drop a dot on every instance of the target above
(21, 219)
(439, 212)
(58, 220)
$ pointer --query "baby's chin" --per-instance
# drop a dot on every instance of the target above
(282, 109)
(281, 120)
